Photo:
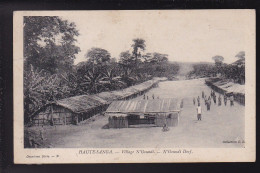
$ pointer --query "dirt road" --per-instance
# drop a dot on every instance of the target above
(222, 123)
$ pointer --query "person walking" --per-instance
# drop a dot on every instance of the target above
(231, 100)
(194, 101)
(219, 100)
(199, 112)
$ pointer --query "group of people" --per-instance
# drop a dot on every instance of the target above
(207, 101)
(147, 97)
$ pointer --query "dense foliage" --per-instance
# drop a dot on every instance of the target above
(49, 73)
(234, 72)
(49, 43)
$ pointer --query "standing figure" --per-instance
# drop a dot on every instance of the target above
(231, 100)
(194, 101)
(153, 96)
(165, 127)
(209, 103)
(198, 100)
(214, 98)
(199, 112)
(219, 100)
(42, 132)
(225, 99)
(144, 96)
(147, 97)
(202, 94)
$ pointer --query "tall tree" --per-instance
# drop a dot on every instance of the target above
(49, 43)
(241, 55)
(218, 60)
(158, 57)
(139, 44)
(126, 59)
(98, 56)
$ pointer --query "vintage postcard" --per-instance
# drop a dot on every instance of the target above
(134, 86)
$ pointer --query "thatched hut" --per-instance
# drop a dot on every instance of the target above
(229, 88)
(69, 111)
(75, 109)
(122, 114)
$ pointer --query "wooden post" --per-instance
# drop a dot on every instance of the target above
(77, 119)
(52, 115)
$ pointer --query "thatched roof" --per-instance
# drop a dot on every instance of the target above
(121, 94)
(83, 103)
(143, 86)
(109, 96)
(145, 106)
(76, 104)
(80, 104)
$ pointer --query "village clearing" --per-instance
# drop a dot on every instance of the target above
(221, 123)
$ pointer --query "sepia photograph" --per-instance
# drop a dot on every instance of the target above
(162, 81)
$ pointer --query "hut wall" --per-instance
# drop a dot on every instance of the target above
(159, 120)
(237, 96)
(56, 115)
(171, 120)
(118, 122)
(92, 112)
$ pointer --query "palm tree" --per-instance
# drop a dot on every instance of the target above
(41, 88)
(137, 45)
(112, 80)
(129, 77)
(32, 86)
(92, 81)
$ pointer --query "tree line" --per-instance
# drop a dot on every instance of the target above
(234, 72)
(50, 74)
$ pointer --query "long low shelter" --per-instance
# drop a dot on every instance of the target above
(75, 109)
(159, 112)
(71, 110)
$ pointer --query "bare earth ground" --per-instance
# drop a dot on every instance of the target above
(222, 123)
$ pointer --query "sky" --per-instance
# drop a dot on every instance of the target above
(186, 36)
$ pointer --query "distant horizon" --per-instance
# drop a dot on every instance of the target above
(184, 62)
(186, 37)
